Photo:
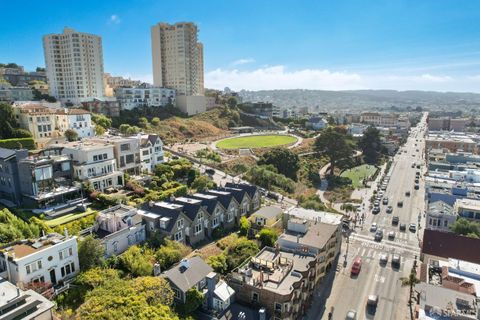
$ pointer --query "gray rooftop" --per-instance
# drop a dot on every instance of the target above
(268, 212)
(186, 278)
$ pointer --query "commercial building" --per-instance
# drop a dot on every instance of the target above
(440, 216)
(177, 58)
(94, 162)
(447, 124)
(74, 64)
(119, 228)
(144, 96)
(388, 120)
(23, 304)
(49, 260)
(453, 142)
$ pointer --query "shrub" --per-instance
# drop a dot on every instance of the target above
(18, 143)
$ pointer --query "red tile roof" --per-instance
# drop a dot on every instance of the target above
(451, 245)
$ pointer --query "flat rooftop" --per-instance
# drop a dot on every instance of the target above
(313, 215)
(316, 236)
(23, 248)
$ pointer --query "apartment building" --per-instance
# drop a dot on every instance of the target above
(177, 58)
(10, 93)
(126, 151)
(49, 260)
(119, 228)
(146, 96)
(111, 83)
(44, 122)
(453, 142)
(107, 106)
(447, 124)
(74, 65)
(18, 77)
(94, 162)
(283, 279)
(468, 209)
(151, 151)
(388, 120)
(10, 193)
(440, 216)
(16, 303)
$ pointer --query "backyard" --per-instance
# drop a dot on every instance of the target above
(68, 218)
(357, 174)
(256, 141)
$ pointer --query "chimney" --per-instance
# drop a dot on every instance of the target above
(156, 269)
(298, 238)
(151, 203)
(66, 232)
(7, 264)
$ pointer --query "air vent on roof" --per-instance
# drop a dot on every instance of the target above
(37, 245)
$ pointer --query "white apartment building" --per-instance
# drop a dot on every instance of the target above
(130, 98)
(46, 260)
(44, 122)
(94, 162)
(177, 58)
(151, 151)
(126, 151)
(74, 64)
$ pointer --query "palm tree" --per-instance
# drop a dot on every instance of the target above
(410, 281)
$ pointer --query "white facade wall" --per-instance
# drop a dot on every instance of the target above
(130, 98)
(74, 64)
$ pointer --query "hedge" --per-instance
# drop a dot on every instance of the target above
(18, 143)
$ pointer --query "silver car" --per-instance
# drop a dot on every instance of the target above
(351, 315)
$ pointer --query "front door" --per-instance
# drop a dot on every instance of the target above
(53, 277)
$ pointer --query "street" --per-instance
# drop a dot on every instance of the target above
(351, 292)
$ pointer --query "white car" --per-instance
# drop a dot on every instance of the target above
(373, 228)
(351, 315)
(384, 258)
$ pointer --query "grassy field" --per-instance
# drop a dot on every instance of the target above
(258, 141)
(357, 174)
(68, 218)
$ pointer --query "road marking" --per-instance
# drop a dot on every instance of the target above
(363, 252)
(379, 278)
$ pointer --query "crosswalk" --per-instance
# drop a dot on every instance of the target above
(398, 243)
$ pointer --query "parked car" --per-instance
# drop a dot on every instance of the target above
(383, 259)
(376, 210)
(376, 203)
(400, 204)
(385, 200)
(407, 193)
(403, 227)
(417, 186)
(379, 235)
(389, 209)
(273, 196)
(395, 220)
(412, 227)
(396, 260)
(356, 266)
(210, 171)
(391, 235)
(373, 227)
(418, 166)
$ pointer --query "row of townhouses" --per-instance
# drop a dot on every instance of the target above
(49, 177)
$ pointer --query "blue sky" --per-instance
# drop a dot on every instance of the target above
(426, 45)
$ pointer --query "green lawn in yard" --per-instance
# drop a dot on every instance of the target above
(256, 141)
(68, 218)
(357, 174)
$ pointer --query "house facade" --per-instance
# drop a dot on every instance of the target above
(151, 151)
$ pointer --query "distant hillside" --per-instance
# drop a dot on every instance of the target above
(320, 100)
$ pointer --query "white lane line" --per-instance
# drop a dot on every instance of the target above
(363, 252)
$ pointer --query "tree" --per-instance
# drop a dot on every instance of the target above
(244, 225)
(102, 120)
(334, 146)
(71, 135)
(124, 128)
(7, 121)
(96, 277)
(410, 281)
(156, 290)
(170, 253)
(466, 227)
(240, 251)
(267, 237)
(194, 299)
(143, 122)
(232, 102)
(285, 160)
(218, 263)
(202, 183)
(91, 253)
(371, 145)
(136, 261)
(99, 130)
(156, 121)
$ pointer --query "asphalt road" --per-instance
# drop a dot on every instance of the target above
(351, 292)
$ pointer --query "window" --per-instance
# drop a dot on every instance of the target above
(67, 269)
(178, 236)
(278, 306)
(125, 147)
(129, 158)
(65, 253)
(115, 247)
(178, 294)
(254, 297)
(180, 223)
(198, 228)
(34, 266)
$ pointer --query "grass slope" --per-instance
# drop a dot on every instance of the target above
(259, 141)
(357, 174)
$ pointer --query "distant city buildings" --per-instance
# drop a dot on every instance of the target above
(18, 77)
(447, 124)
(10, 93)
(111, 83)
(74, 65)
(144, 96)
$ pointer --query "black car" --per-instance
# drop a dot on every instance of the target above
(395, 220)
(400, 204)
(210, 171)
(417, 186)
(407, 193)
(376, 210)
(403, 227)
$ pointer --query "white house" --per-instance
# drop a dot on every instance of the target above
(151, 151)
(51, 259)
(316, 123)
(119, 228)
(76, 119)
(94, 162)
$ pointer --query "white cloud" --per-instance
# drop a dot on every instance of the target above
(279, 77)
(242, 61)
(114, 19)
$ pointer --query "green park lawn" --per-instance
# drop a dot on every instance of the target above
(357, 174)
(256, 141)
(68, 218)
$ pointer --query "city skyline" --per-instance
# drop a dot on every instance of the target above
(348, 45)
